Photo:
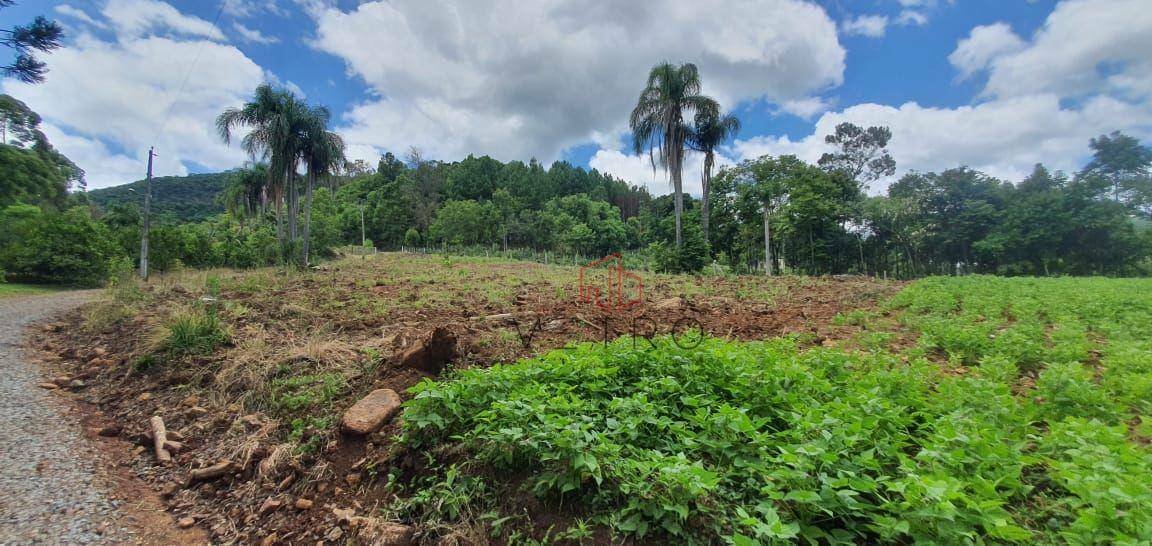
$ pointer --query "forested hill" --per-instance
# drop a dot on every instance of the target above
(186, 198)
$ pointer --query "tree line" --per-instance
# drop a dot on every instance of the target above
(300, 198)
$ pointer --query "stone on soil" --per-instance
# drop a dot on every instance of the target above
(431, 354)
(371, 412)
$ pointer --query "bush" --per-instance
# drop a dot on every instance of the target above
(412, 238)
(45, 246)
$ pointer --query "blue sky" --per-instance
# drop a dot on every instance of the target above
(995, 85)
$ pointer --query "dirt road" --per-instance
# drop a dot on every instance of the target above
(52, 488)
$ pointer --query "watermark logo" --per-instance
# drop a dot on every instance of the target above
(622, 289)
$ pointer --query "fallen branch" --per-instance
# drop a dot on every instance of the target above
(159, 436)
(213, 472)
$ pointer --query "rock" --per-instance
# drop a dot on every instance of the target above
(334, 534)
(668, 304)
(269, 505)
(343, 515)
(371, 412)
(169, 489)
(110, 431)
(77, 384)
(185, 523)
(386, 533)
(431, 354)
(190, 401)
(49, 386)
(303, 504)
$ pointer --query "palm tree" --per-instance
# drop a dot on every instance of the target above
(323, 153)
(711, 131)
(277, 120)
(658, 126)
(245, 196)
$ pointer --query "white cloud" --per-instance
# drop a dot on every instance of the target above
(1003, 138)
(249, 8)
(1067, 54)
(983, 45)
(638, 170)
(520, 79)
(78, 14)
(129, 90)
(253, 36)
(805, 108)
(103, 166)
(911, 17)
(872, 26)
(137, 18)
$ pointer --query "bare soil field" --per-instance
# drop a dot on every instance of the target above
(250, 372)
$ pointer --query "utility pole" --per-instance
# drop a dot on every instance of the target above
(147, 219)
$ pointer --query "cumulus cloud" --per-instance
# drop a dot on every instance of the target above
(805, 108)
(253, 36)
(1003, 138)
(108, 128)
(145, 17)
(872, 26)
(1079, 38)
(78, 14)
(983, 45)
(520, 79)
(638, 170)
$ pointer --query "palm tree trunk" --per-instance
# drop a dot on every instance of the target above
(307, 218)
(767, 243)
(706, 182)
(678, 190)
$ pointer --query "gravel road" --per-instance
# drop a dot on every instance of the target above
(52, 489)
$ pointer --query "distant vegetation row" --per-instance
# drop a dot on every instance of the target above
(771, 214)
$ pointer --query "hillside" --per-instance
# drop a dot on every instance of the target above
(187, 198)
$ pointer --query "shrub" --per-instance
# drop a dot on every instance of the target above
(412, 238)
(44, 246)
(197, 333)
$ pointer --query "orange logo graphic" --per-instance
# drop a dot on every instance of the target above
(616, 296)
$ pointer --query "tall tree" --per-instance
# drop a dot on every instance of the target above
(860, 153)
(42, 35)
(322, 152)
(1124, 164)
(278, 123)
(710, 132)
(658, 125)
(245, 195)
